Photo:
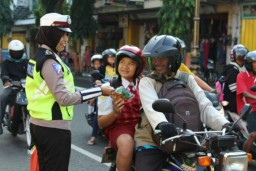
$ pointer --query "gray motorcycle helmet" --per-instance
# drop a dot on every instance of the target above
(164, 46)
(249, 58)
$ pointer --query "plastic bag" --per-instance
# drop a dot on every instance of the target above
(34, 165)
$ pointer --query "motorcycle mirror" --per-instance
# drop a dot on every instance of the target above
(253, 88)
(244, 112)
(97, 75)
(163, 105)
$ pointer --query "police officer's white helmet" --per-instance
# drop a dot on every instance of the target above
(62, 22)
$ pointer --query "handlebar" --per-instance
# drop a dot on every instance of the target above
(190, 133)
(17, 84)
(189, 141)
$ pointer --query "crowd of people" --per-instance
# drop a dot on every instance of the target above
(127, 121)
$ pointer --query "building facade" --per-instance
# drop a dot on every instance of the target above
(24, 23)
(223, 23)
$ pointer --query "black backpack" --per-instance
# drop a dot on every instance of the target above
(184, 102)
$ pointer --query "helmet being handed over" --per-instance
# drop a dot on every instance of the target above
(238, 52)
(134, 53)
(164, 46)
(16, 49)
(249, 58)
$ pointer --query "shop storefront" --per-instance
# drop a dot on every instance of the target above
(214, 39)
(109, 33)
(248, 28)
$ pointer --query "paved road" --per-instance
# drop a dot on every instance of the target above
(13, 150)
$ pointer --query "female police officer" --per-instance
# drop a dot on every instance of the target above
(51, 94)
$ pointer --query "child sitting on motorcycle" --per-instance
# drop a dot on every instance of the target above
(96, 61)
(108, 64)
(118, 116)
(13, 69)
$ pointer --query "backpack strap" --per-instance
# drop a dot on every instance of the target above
(184, 77)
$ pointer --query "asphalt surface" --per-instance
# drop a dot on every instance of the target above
(82, 81)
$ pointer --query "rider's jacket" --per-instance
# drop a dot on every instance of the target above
(14, 70)
(148, 91)
(38, 92)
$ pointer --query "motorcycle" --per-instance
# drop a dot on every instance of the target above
(213, 150)
(244, 134)
(210, 74)
(21, 100)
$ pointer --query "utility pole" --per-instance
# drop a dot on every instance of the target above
(195, 53)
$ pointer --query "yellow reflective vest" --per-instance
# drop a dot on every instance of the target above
(41, 102)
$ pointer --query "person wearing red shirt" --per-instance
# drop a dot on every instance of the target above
(244, 82)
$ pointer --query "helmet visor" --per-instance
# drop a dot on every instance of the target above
(16, 54)
(240, 53)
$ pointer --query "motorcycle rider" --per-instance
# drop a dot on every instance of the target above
(230, 72)
(244, 81)
(164, 54)
(13, 69)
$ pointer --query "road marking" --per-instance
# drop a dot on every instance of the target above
(88, 154)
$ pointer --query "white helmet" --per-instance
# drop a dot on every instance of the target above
(60, 21)
(94, 57)
(16, 49)
(15, 45)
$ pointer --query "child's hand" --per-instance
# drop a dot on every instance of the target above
(118, 105)
(116, 96)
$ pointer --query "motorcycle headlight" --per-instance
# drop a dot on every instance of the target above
(236, 161)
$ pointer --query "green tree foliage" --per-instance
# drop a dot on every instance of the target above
(176, 18)
(6, 19)
(83, 23)
(47, 6)
(53, 5)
